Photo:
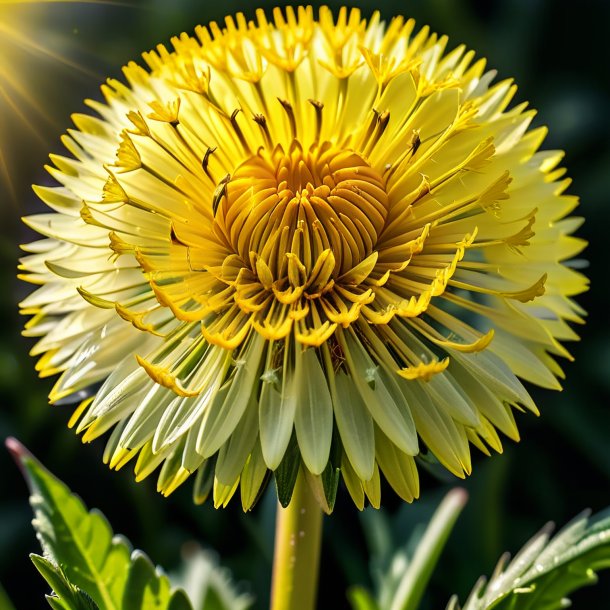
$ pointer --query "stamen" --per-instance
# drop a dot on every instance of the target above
(238, 131)
(318, 106)
(415, 142)
(287, 106)
(219, 193)
(205, 161)
(261, 121)
(383, 119)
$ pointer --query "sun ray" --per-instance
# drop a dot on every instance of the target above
(27, 47)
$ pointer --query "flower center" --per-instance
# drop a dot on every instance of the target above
(299, 204)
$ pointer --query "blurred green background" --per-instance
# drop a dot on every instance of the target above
(558, 53)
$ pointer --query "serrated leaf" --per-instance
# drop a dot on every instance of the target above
(544, 572)
(56, 603)
(66, 596)
(145, 587)
(81, 551)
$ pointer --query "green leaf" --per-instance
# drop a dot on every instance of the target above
(207, 584)
(419, 570)
(287, 471)
(402, 572)
(5, 602)
(545, 572)
(361, 599)
(332, 473)
(147, 588)
(204, 481)
(66, 596)
(83, 557)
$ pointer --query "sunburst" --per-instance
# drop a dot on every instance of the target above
(27, 48)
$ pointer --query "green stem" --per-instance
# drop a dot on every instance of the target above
(298, 536)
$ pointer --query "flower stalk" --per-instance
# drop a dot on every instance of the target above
(298, 537)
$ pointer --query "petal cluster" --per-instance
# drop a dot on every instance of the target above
(317, 242)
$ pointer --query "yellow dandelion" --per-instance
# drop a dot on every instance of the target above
(326, 242)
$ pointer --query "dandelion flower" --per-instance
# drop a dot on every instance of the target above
(326, 242)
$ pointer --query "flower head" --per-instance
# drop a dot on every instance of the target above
(319, 241)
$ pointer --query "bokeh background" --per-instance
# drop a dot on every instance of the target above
(54, 54)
